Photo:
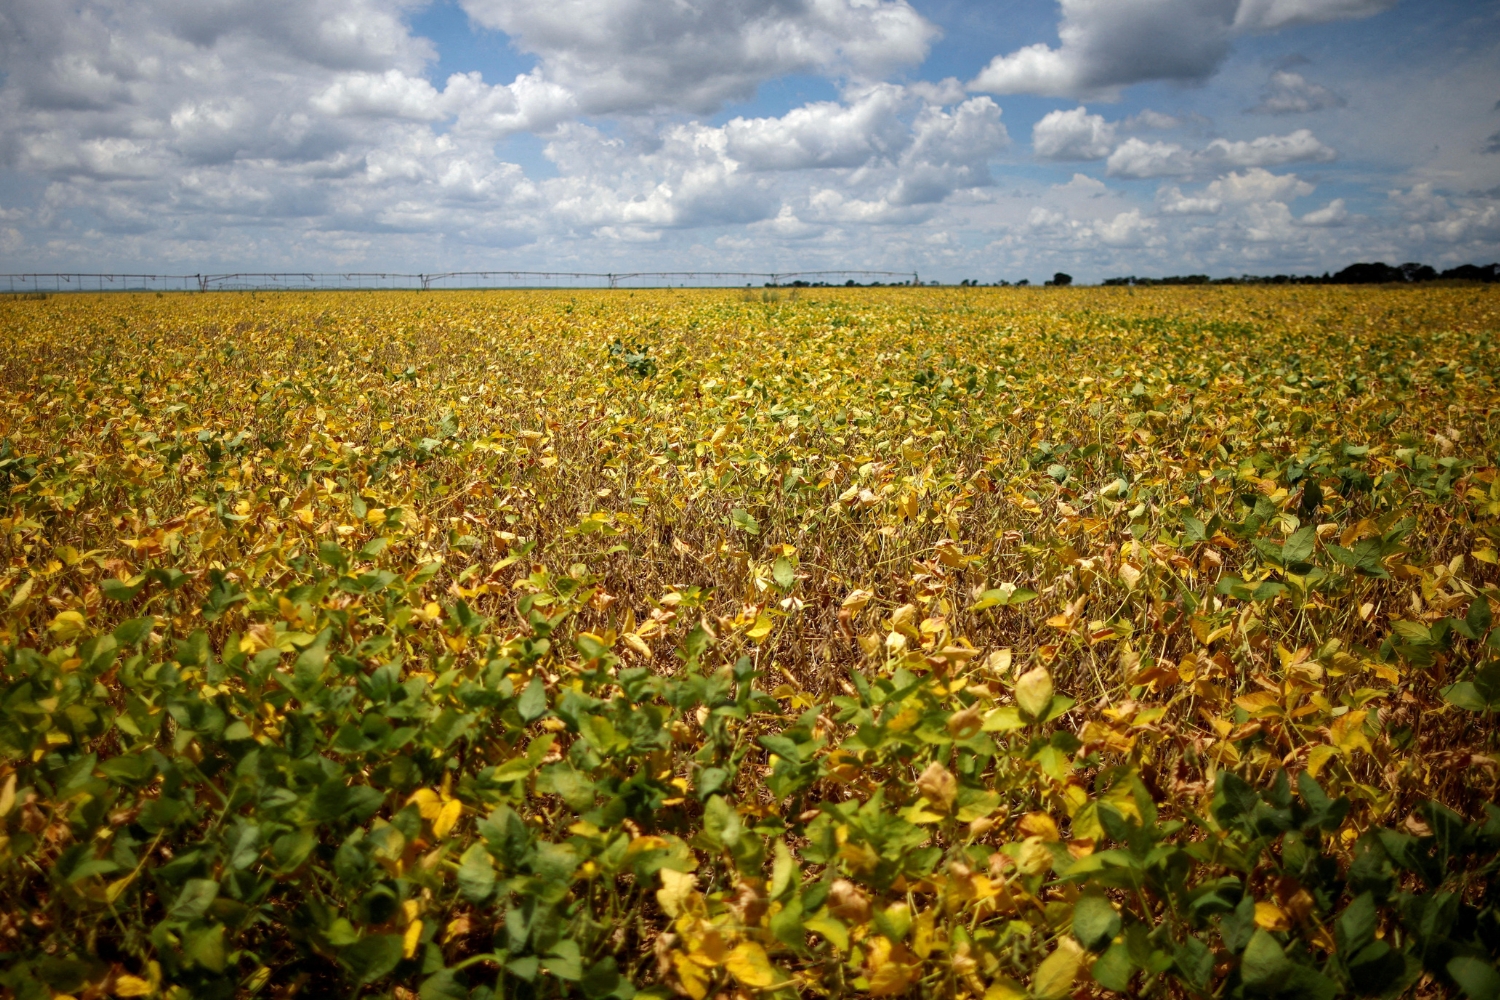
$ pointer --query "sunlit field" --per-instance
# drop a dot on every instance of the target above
(995, 643)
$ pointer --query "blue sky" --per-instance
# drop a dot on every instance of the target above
(980, 140)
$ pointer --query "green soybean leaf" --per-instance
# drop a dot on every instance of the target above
(373, 957)
(476, 874)
(1477, 978)
(1114, 968)
(444, 984)
(784, 573)
(532, 704)
(1095, 922)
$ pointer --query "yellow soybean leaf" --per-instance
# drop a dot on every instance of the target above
(637, 645)
(856, 601)
(1034, 856)
(411, 939)
(1039, 824)
(67, 624)
(131, 986)
(891, 969)
(998, 662)
(1003, 720)
(1086, 822)
(1271, 917)
(1318, 758)
(114, 889)
(916, 814)
(22, 592)
(427, 803)
(748, 964)
(1055, 976)
(829, 927)
(922, 933)
(693, 978)
(762, 627)
(676, 889)
(1034, 691)
(1005, 989)
(1348, 732)
(447, 817)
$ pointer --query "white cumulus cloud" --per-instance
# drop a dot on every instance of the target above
(1107, 44)
(823, 134)
(1332, 214)
(1171, 201)
(1300, 146)
(1126, 229)
(390, 94)
(1148, 119)
(1271, 15)
(1137, 158)
(1072, 135)
(1430, 215)
(950, 151)
(1288, 93)
(1258, 185)
(693, 55)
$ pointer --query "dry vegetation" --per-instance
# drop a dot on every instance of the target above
(882, 642)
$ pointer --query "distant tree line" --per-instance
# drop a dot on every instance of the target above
(1355, 274)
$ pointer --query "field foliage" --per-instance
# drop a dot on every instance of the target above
(910, 642)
